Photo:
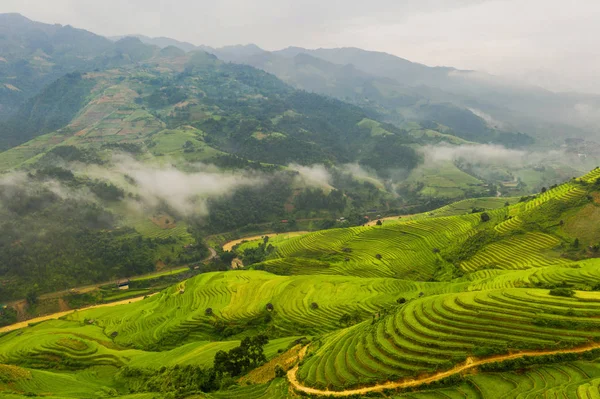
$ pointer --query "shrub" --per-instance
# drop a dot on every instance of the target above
(314, 305)
(279, 371)
(485, 217)
(567, 292)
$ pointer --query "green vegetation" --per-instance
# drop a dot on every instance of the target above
(398, 300)
(401, 266)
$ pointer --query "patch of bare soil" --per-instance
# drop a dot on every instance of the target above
(164, 221)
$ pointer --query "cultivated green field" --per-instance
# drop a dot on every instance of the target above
(407, 299)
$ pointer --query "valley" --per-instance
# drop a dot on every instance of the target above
(183, 221)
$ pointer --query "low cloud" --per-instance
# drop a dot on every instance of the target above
(487, 154)
(487, 118)
(312, 176)
(360, 173)
(185, 192)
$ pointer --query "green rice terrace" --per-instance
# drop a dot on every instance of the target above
(486, 298)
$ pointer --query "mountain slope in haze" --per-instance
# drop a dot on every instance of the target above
(512, 103)
(397, 102)
(505, 105)
(162, 42)
(34, 54)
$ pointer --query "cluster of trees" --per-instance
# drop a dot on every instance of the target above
(249, 355)
(59, 243)
(314, 199)
(251, 256)
(249, 205)
(173, 382)
(8, 316)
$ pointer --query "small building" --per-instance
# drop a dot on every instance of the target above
(284, 221)
(123, 285)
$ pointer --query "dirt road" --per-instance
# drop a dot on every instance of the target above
(229, 245)
(57, 315)
(394, 218)
(414, 382)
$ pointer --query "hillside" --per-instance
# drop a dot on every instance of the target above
(152, 151)
(406, 299)
(404, 90)
(33, 55)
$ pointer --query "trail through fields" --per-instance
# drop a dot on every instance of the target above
(394, 218)
(414, 382)
(57, 315)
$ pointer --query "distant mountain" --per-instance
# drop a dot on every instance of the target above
(34, 54)
(499, 102)
(378, 64)
(473, 105)
(161, 42)
(395, 101)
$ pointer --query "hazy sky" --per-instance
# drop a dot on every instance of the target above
(554, 43)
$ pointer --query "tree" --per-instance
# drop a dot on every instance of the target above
(314, 305)
(576, 243)
(485, 217)
(269, 307)
(401, 300)
(379, 223)
(378, 256)
(32, 295)
(544, 190)
(208, 312)
(349, 319)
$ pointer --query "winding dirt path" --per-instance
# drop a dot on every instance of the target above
(230, 244)
(414, 382)
(57, 315)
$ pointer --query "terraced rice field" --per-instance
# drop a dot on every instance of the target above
(410, 319)
(436, 332)
(69, 345)
(531, 248)
(148, 229)
(406, 249)
(580, 274)
(243, 295)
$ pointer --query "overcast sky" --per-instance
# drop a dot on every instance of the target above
(554, 43)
